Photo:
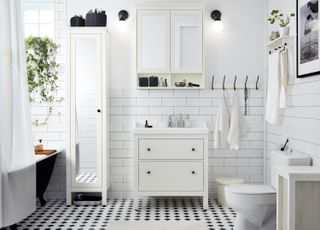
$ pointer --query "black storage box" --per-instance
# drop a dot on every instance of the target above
(96, 18)
(77, 21)
(153, 81)
(143, 82)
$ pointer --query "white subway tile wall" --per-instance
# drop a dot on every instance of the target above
(53, 133)
(129, 106)
(300, 121)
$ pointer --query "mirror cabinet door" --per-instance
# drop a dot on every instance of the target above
(153, 41)
(86, 132)
(186, 41)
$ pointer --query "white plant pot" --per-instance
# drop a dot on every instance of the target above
(284, 31)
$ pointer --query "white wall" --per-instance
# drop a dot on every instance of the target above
(300, 121)
(237, 50)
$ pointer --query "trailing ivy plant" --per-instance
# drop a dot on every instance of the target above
(42, 69)
(276, 15)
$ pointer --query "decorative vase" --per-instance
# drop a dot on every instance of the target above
(284, 31)
(274, 35)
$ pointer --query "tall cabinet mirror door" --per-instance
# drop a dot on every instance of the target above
(86, 101)
(153, 41)
(186, 41)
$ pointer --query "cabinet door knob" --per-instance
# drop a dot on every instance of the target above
(193, 172)
(148, 172)
(193, 149)
(98, 110)
(148, 149)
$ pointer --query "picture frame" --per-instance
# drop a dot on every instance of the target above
(308, 35)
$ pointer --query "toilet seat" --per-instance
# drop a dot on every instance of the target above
(250, 189)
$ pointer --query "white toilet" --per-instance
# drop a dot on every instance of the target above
(256, 204)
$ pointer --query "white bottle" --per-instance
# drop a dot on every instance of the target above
(180, 121)
(187, 122)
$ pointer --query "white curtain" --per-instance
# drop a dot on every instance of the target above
(16, 149)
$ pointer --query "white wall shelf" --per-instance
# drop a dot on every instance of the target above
(280, 42)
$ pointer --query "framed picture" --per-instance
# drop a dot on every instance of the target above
(308, 58)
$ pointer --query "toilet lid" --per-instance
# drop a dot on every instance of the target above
(250, 189)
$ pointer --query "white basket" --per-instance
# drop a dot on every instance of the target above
(221, 183)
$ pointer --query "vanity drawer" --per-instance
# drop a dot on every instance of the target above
(171, 149)
(171, 176)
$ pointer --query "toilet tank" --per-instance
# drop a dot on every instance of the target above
(286, 158)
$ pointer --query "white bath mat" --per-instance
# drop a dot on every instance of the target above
(157, 225)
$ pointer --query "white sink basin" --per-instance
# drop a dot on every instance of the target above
(197, 127)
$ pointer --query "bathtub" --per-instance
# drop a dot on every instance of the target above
(45, 166)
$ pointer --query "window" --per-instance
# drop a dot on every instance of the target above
(38, 18)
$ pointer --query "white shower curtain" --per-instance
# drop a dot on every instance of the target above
(16, 149)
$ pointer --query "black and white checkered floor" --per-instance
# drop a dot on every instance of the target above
(56, 215)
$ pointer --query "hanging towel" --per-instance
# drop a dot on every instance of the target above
(222, 124)
(273, 93)
(284, 75)
(238, 124)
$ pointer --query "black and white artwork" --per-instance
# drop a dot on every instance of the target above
(308, 37)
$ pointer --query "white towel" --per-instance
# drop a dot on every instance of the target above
(273, 93)
(238, 124)
(284, 75)
(222, 124)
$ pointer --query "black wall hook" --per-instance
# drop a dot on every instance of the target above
(234, 83)
(245, 84)
(212, 82)
(223, 83)
(257, 82)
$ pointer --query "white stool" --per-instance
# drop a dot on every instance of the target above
(222, 182)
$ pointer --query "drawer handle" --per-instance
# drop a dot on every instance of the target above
(193, 149)
(193, 172)
(148, 149)
(148, 172)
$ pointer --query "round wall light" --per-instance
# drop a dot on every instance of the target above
(123, 16)
(216, 17)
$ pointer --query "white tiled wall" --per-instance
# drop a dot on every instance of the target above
(300, 121)
(128, 106)
(54, 132)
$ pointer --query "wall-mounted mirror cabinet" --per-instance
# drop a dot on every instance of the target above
(170, 46)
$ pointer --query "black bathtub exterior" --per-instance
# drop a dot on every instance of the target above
(44, 172)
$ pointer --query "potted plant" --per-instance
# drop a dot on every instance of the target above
(42, 70)
(283, 20)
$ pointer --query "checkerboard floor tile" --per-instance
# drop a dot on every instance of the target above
(56, 215)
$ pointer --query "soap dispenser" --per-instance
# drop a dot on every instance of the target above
(187, 123)
(180, 121)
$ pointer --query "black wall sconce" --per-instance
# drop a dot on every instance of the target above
(123, 15)
(216, 17)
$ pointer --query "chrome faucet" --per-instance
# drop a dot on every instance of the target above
(170, 121)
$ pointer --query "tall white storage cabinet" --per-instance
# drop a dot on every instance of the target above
(88, 96)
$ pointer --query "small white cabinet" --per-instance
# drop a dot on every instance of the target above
(88, 112)
(186, 32)
(170, 44)
(171, 162)
(153, 31)
(298, 198)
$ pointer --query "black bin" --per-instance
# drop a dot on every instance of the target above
(77, 21)
(96, 18)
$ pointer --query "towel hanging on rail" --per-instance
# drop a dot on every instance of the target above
(284, 75)
(222, 124)
(273, 93)
(238, 124)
